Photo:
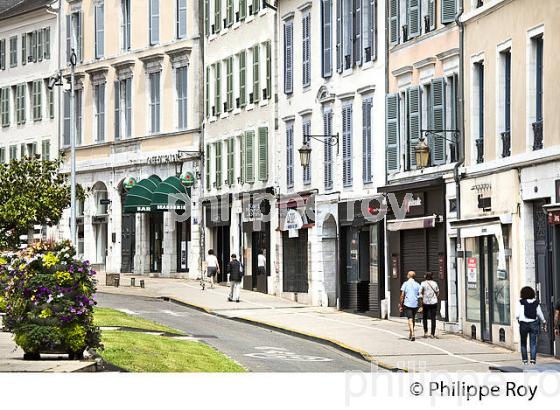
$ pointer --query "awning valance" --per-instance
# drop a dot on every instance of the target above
(139, 198)
(412, 223)
(170, 194)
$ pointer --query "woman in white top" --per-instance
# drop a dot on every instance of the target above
(261, 262)
(429, 291)
(528, 314)
(212, 267)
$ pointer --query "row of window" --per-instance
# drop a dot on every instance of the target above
(222, 14)
(251, 150)
(504, 97)
(419, 112)
(347, 143)
(35, 46)
(10, 153)
(123, 107)
(74, 27)
(25, 101)
(239, 81)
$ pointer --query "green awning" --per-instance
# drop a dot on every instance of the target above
(170, 195)
(139, 198)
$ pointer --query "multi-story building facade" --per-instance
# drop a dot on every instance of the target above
(240, 122)
(137, 119)
(331, 102)
(511, 177)
(423, 142)
(28, 60)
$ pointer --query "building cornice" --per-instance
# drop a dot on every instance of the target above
(430, 61)
(399, 72)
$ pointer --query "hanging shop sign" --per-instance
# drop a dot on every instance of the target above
(293, 220)
(129, 183)
(188, 178)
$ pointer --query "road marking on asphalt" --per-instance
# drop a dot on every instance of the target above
(128, 311)
(171, 313)
(468, 359)
(280, 353)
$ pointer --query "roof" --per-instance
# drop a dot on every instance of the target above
(12, 8)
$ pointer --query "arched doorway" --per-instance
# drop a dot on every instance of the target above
(100, 220)
(330, 258)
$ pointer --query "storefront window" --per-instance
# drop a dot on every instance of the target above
(501, 295)
(473, 268)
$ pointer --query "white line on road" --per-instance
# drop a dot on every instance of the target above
(171, 313)
(128, 312)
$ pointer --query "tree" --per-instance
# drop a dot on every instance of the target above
(32, 192)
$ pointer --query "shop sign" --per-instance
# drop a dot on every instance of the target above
(414, 204)
(293, 220)
(471, 273)
(554, 217)
(165, 159)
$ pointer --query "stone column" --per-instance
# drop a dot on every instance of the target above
(169, 257)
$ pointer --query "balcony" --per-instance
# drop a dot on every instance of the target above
(537, 135)
(506, 144)
(480, 150)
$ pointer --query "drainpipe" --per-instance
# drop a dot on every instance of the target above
(460, 148)
(202, 220)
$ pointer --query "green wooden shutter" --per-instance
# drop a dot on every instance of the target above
(229, 83)
(432, 13)
(242, 78)
(230, 160)
(249, 155)
(242, 158)
(218, 157)
(268, 69)
(414, 122)
(207, 156)
(392, 132)
(229, 12)
(448, 11)
(23, 50)
(256, 6)
(207, 92)
(256, 91)
(439, 144)
(218, 88)
(242, 9)
(263, 153)
(394, 21)
(217, 16)
(413, 18)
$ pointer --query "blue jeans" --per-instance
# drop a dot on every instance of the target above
(530, 329)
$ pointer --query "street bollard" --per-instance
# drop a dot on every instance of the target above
(116, 282)
(142, 285)
(132, 282)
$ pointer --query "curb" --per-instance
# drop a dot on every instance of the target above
(360, 354)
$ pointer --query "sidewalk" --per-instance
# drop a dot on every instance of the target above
(11, 360)
(383, 341)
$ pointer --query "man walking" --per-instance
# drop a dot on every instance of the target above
(410, 292)
(235, 271)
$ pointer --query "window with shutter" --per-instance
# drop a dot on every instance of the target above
(181, 91)
(99, 31)
(357, 32)
(369, 30)
(117, 110)
(326, 38)
(367, 105)
(155, 112)
(256, 6)
(256, 74)
(46, 150)
(327, 150)
(218, 158)
(229, 83)
(306, 49)
(288, 57)
(394, 21)
(392, 132)
(263, 153)
(37, 100)
(249, 156)
(439, 143)
(154, 22)
(347, 144)
(125, 24)
(218, 88)
(290, 155)
(229, 13)
(217, 16)
(24, 49)
(432, 14)
(2, 54)
(230, 161)
(448, 11)
(99, 91)
(242, 79)
(339, 51)
(306, 131)
(181, 19)
(413, 18)
(78, 116)
(207, 93)
(13, 51)
(5, 106)
(40, 45)
(268, 51)
(242, 9)
(207, 17)
(414, 99)
(208, 162)
(242, 158)
(347, 34)
(128, 107)
(34, 46)
(80, 36)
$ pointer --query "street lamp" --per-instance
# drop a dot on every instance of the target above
(422, 153)
(305, 154)
(422, 150)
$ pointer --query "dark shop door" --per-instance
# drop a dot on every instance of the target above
(222, 251)
(128, 243)
(183, 230)
(156, 241)
(295, 262)
(259, 240)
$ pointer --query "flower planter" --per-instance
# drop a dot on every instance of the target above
(49, 301)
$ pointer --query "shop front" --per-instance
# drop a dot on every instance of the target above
(217, 211)
(488, 255)
(416, 235)
(361, 278)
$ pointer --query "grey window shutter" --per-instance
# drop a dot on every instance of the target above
(448, 11)
(326, 37)
(24, 50)
(217, 16)
(218, 158)
(101, 112)
(218, 88)
(394, 21)
(327, 149)
(128, 107)
(357, 32)
(339, 51)
(229, 83)
(256, 6)
(40, 45)
(347, 145)
(392, 132)
(439, 144)
(306, 52)
(432, 13)
(290, 155)
(80, 36)
(208, 155)
(34, 46)
(207, 93)
(242, 157)
(366, 139)
(117, 110)
(242, 78)
(249, 155)
(66, 118)
(368, 36)
(307, 131)
(181, 18)
(2, 54)
(347, 34)
(230, 160)
(256, 74)
(288, 57)
(47, 36)
(263, 153)
(268, 50)
(414, 122)
(207, 17)
(99, 31)
(229, 12)
(413, 18)
(154, 22)
(242, 9)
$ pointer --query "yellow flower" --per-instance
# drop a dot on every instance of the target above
(63, 278)
(3, 261)
(45, 313)
(49, 260)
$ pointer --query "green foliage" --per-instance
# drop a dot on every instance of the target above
(32, 192)
(74, 337)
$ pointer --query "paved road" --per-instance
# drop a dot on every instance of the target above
(258, 349)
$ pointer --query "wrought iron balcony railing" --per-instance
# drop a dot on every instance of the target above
(480, 150)
(506, 144)
(537, 135)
